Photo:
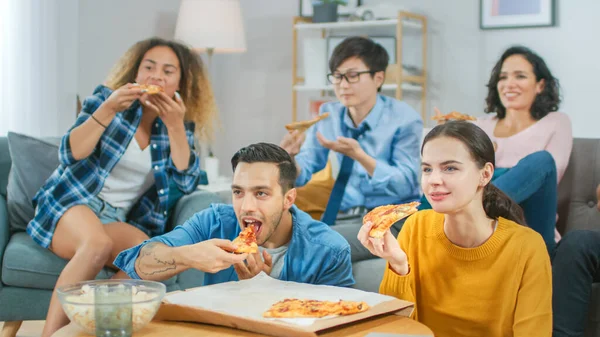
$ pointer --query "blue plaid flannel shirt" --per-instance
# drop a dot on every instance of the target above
(76, 182)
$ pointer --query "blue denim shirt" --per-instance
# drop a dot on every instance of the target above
(393, 138)
(316, 254)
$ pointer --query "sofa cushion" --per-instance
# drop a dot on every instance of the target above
(33, 161)
(28, 265)
(577, 189)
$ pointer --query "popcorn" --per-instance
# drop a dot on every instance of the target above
(80, 308)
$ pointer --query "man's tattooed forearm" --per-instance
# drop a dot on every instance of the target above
(148, 252)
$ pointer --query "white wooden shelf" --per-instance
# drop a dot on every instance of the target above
(356, 24)
(390, 86)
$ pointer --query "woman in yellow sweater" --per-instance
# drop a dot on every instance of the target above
(469, 264)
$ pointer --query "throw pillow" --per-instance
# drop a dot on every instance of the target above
(33, 161)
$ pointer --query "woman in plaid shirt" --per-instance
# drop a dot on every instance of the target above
(122, 164)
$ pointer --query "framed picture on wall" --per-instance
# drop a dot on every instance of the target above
(501, 14)
(306, 9)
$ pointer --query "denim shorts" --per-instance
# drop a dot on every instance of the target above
(106, 212)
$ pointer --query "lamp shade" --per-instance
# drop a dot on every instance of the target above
(211, 24)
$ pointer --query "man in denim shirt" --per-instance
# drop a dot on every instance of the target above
(380, 135)
(293, 246)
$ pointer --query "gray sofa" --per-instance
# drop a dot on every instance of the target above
(29, 272)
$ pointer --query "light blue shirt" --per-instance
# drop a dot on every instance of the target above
(316, 253)
(393, 139)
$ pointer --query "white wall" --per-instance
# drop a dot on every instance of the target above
(453, 54)
(571, 50)
(253, 89)
(108, 28)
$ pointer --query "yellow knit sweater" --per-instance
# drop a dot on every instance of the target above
(501, 288)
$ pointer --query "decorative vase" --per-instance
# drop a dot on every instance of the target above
(325, 12)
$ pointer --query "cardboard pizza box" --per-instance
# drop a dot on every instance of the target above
(240, 305)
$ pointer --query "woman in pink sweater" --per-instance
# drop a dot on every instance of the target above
(532, 139)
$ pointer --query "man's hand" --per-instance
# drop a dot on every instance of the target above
(211, 256)
(292, 142)
(254, 265)
(343, 145)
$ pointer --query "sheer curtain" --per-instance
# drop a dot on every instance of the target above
(38, 66)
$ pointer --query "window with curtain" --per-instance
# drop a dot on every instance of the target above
(38, 66)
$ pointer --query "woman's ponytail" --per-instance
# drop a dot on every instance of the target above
(497, 204)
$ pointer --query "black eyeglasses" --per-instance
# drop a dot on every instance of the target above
(351, 76)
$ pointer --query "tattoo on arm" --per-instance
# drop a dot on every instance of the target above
(149, 252)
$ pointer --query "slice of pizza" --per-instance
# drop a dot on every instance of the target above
(304, 125)
(454, 115)
(246, 241)
(344, 308)
(295, 308)
(383, 217)
(149, 88)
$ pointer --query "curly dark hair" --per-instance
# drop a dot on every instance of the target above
(544, 103)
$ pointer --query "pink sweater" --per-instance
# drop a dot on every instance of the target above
(552, 133)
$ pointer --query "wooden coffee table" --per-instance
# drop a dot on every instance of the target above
(386, 324)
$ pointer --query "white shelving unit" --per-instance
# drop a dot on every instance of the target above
(402, 81)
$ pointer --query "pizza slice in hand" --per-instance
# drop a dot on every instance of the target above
(383, 217)
(454, 115)
(246, 241)
(149, 88)
(304, 125)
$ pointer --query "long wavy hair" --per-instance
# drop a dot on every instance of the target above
(495, 202)
(545, 102)
(194, 86)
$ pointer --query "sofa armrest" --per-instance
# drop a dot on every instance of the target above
(4, 230)
(189, 205)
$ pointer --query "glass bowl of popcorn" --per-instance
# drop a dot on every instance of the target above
(123, 305)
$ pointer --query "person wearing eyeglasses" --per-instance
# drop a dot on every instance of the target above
(375, 139)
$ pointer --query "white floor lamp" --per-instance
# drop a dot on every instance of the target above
(214, 27)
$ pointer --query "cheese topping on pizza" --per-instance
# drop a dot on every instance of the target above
(246, 241)
(294, 308)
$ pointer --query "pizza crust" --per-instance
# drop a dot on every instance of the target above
(304, 125)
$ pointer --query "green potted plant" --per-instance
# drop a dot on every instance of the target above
(326, 10)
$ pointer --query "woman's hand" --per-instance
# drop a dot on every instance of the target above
(171, 111)
(122, 98)
(386, 248)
